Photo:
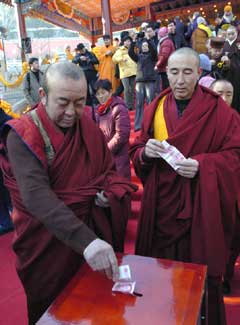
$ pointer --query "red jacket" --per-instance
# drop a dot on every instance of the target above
(166, 49)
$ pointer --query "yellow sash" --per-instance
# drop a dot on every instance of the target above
(159, 124)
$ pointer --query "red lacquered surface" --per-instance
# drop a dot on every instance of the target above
(172, 294)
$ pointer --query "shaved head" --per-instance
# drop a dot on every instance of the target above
(61, 71)
(65, 91)
(224, 88)
(183, 72)
(185, 52)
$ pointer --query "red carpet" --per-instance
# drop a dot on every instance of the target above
(12, 298)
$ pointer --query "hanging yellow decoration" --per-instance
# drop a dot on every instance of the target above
(7, 108)
(64, 8)
(19, 80)
(26, 110)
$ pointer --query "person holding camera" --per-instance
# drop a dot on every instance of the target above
(145, 78)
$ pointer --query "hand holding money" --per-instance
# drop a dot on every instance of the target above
(101, 200)
(153, 147)
(188, 167)
(101, 257)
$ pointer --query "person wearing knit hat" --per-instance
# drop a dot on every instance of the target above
(217, 42)
(205, 65)
(215, 49)
(227, 8)
(220, 62)
(201, 20)
(227, 19)
(206, 81)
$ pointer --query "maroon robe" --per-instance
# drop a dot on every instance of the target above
(82, 166)
(177, 210)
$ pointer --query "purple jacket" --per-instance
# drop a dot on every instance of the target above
(115, 124)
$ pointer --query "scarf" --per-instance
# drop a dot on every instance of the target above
(102, 108)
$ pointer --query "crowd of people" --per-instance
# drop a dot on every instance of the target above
(66, 163)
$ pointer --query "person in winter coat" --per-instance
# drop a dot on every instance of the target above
(231, 51)
(87, 60)
(177, 38)
(165, 49)
(200, 36)
(113, 119)
(127, 70)
(145, 78)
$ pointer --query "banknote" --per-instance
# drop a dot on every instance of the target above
(172, 155)
(124, 287)
(124, 273)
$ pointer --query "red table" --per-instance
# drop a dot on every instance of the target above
(172, 294)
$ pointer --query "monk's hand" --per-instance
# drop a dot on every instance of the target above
(188, 167)
(101, 200)
(153, 148)
(100, 257)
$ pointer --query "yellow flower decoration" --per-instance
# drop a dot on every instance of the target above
(19, 80)
(7, 108)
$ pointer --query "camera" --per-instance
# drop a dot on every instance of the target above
(140, 35)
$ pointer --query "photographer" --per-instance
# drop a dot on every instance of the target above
(86, 60)
(145, 78)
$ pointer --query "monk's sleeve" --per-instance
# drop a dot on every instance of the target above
(142, 164)
(41, 201)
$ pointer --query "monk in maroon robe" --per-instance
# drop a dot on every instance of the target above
(188, 214)
(68, 200)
